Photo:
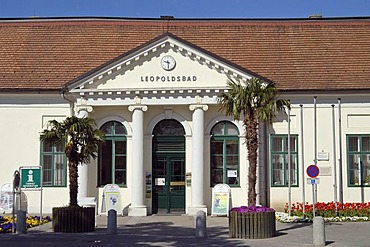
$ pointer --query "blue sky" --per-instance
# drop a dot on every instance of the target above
(185, 8)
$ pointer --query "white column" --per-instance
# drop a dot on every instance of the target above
(138, 207)
(197, 166)
(81, 112)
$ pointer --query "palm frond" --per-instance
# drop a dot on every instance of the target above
(256, 101)
(82, 140)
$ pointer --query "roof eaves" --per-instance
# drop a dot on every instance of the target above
(28, 90)
(326, 91)
(222, 19)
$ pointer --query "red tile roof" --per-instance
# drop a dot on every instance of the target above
(297, 54)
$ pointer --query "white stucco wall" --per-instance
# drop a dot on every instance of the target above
(355, 120)
(20, 127)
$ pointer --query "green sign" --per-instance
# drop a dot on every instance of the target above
(30, 178)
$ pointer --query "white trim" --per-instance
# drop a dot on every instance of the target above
(218, 119)
(104, 120)
(162, 116)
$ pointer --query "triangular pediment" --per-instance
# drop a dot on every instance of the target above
(145, 70)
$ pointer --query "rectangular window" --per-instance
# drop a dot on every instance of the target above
(112, 162)
(279, 160)
(225, 161)
(358, 159)
(120, 162)
(53, 162)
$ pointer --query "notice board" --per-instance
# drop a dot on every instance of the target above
(220, 199)
(112, 198)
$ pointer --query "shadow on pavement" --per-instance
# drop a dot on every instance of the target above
(292, 226)
(141, 234)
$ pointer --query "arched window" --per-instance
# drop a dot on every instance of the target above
(168, 135)
(169, 127)
(224, 154)
(112, 167)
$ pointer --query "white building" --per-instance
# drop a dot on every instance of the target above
(152, 86)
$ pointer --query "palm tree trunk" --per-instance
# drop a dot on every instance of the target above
(251, 132)
(73, 186)
(73, 177)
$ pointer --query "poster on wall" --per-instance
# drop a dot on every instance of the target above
(220, 199)
(148, 184)
(188, 179)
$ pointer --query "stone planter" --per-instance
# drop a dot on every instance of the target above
(252, 225)
(67, 219)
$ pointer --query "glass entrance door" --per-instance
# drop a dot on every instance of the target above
(169, 184)
(168, 167)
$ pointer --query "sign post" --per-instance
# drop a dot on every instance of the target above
(31, 179)
(313, 171)
(16, 180)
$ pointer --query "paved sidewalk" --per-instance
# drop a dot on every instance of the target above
(179, 231)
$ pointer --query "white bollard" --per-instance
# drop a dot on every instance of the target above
(112, 222)
(318, 231)
(200, 225)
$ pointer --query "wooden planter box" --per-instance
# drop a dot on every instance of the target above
(252, 225)
(67, 219)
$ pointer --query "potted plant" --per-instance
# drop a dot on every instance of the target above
(82, 140)
(252, 222)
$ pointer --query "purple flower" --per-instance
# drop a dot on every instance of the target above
(252, 209)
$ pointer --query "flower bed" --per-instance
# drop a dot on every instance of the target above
(331, 212)
(252, 222)
(31, 221)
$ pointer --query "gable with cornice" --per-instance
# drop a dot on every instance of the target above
(140, 74)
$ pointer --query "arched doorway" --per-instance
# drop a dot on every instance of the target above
(168, 166)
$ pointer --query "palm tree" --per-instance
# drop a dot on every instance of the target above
(256, 102)
(82, 140)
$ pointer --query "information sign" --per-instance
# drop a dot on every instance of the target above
(30, 177)
(313, 181)
(220, 199)
(112, 197)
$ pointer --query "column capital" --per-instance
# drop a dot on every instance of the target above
(86, 108)
(138, 107)
(198, 106)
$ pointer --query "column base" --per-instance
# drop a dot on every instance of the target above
(137, 211)
(193, 210)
